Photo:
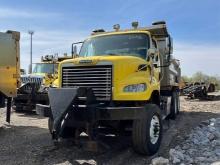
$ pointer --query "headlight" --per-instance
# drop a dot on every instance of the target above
(54, 85)
(135, 88)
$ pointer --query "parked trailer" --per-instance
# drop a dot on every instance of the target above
(9, 68)
(199, 90)
(123, 81)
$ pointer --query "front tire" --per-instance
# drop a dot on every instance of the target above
(147, 131)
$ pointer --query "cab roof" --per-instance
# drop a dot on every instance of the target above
(159, 30)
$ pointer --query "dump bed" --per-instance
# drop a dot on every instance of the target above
(9, 63)
(170, 67)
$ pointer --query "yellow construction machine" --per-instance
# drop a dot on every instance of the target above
(33, 89)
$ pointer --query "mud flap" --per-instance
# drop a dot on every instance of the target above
(8, 112)
(2, 100)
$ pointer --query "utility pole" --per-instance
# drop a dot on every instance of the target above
(30, 67)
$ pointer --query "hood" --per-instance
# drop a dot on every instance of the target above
(34, 75)
(119, 59)
(124, 67)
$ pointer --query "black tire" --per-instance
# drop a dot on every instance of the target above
(18, 108)
(141, 138)
(178, 102)
(174, 105)
(50, 124)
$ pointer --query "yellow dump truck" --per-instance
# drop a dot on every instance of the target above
(9, 68)
(34, 86)
(123, 82)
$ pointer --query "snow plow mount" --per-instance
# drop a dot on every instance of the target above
(64, 100)
(78, 108)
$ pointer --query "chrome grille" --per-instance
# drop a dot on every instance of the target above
(31, 79)
(37, 80)
(98, 77)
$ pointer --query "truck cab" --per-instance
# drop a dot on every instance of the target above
(34, 86)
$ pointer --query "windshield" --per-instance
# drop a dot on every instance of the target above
(135, 44)
(45, 68)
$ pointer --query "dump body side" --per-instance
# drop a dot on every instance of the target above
(9, 63)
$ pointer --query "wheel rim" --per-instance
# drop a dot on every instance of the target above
(154, 129)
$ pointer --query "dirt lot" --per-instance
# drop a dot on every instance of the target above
(27, 140)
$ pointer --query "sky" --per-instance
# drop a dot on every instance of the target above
(193, 24)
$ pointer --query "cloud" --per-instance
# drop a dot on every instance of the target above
(198, 57)
(25, 13)
(47, 42)
(193, 56)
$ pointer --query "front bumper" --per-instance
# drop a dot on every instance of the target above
(27, 102)
(34, 97)
(92, 114)
(77, 107)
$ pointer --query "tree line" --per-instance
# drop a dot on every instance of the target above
(201, 77)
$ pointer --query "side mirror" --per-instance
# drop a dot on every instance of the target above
(151, 52)
(74, 52)
(74, 49)
(169, 45)
(155, 65)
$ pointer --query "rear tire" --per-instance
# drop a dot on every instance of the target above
(178, 103)
(174, 108)
(50, 125)
(18, 108)
(147, 131)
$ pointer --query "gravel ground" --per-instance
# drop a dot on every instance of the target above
(27, 140)
(202, 145)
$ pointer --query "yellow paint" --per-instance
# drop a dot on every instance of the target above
(55, 83)
(125, 72)
(8, 83)
(9, 63)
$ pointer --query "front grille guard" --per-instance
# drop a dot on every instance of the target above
(30, 84)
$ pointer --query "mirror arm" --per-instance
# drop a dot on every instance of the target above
(73, 47)
(72, 50)
(142, 67)
(163, 66)
(169, 47)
